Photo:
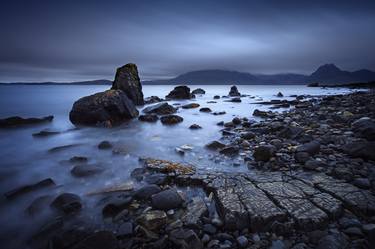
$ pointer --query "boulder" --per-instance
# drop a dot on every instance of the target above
(127, 80)
(365, 128)
(234, 91)
(151, 118)
(160, 109)
(115, 206)
(166, 200)
(104, 108)
(146, 192)
(279, 94)
(67, 203)
(264, 152)
(262, 114)
(179, 92)
(29, 188)
(153, 219)
(312, 148)
(85, 170)
(195, 127)
(19, 121)
(190, 106)
(361, 149)
(171, 119)
(205, 109)
(198, 91)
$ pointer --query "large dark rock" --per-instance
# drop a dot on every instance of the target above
(19, 121)
(215, 145)
(171, 119)
(198, 91)
(362, 149)
(264, 152)
(234, 91)
(29, 188)
(152, 100)
(312, 148)
(127, 80)
(151, 118)
(67, 203)
(146, 192)
(160, 109)
(365, 128)
(105, 108)
(167, 199)
(179, 92)
(85, 170)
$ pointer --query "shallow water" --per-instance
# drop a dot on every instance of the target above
(25, 159)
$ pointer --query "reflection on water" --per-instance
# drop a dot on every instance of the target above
(24, 158)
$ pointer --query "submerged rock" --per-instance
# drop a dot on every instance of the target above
(198, 91)
(104, 145)
(179, 92)
(127, 80)
(234, 91)
(171, 119)
(19, 121)
(29, 188)
(205, 109)
(105, 108)
(195, 127)
(85, 170)
(160, 109)
(45, 133)
(67, 203)
(151, 118)
(215, 145)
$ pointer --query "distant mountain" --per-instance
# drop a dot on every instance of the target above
(88, 82)
(331, 74)
(224, 77)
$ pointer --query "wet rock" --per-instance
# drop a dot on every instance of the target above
(353, 232)
(78, 159)
(219, 113)
(216, 97)
(171, 119)
(198, 91)
(63, 147)
(99, 240)
(151, 118)
(290, 132)
(262, 114)
(45, 133)
(364, 127)
(234, 91)
(363, 183)
(152, 100)
(277, 244)
(168, 167)
(125, 230)
(138, 173)
(146, 192)
(215, 145)
(311, 164)
(190, 106)
(179, 92)
(29, 188)
(361, 149)
(195, 210)
(104, 145)
(85, 170)
(67, 203)
(248, 135)
(205, 109)
(167, 199)
(236, 121)
(161, 109)
(264, 152)
(105, 109)
(127, 80)
(19, 121)
(157, 178)
(333, 241)
(229, 150)
(242, 241)
(195, 127)
(302, 157)
(153, 219)
(38, 205)
(369, 230)
(312, 148)
(116, 205)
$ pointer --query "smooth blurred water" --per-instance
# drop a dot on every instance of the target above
(25, 159)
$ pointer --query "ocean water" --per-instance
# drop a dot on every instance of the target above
(25, 159)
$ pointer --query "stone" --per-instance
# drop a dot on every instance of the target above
(229, 150)
(179, 92)
(195, 127)
(264, 152)
(235, 100)
(216, 97)
(198, 91)
(236, 121)
(125, 230)
(167, 199)
(152, 100)
(195, 210)
(127, 80)
(29, 188)
(234, 91)
(45, 133)
(333, 241)
(151, 118)
(146, 192)
(105, 109)
(247, 135)
(63, 147)
(242, 241)
(262, 114)
(78, 159)
(99, 240)
(17, 121)
(161, 109)
(312, 148)
(104, 145)
(67, 203)
(85, 170)
(364, 127)
(138, 173)
(116, 205)
(171, 119)
(157, 178)
(353, 232)
(210, 229)
(190, 106)
(279, 94)
(38, 205)
(205, 109)
(302, 157)
(361, 149)
(153, 219)
(312, 164)
(290, 132)
(363, 183)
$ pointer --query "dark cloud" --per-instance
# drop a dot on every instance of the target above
(76, 40)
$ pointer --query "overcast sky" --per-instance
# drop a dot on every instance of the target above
(74, 40)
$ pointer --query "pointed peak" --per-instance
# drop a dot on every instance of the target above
(329, 67)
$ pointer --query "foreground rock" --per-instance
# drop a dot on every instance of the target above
(179, 92)
(127, 80)
(160, 109)
(104, 109)
(171, 119)
(19, 121)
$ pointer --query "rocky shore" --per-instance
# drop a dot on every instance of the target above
(310, 184)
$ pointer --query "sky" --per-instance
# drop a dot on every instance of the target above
(74, 40)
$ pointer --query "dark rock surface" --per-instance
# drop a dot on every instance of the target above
(234, 91)
(171, 119)
(167, 199)
(127, 80)
(85, 170)
(160, 109)
(198, 91)
(67, 203)
(19, 121)
(105, 108)
(151, 118)
(179, 92)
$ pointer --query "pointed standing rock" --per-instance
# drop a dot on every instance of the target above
(127, 80)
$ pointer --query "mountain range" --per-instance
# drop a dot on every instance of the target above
(328, 74)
